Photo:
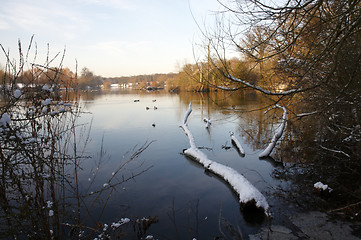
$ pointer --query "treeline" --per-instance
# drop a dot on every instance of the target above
(59, 77)
(202, 76)
(158, 80)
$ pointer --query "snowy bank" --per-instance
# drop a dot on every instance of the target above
(246, 192)
(277, 135)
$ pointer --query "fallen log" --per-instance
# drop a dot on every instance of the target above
(246, 192)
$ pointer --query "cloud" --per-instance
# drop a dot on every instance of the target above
(49, 17)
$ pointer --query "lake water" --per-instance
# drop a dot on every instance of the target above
(185, 201)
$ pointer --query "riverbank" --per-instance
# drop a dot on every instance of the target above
(311, 225)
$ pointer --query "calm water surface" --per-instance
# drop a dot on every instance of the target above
(187, 201)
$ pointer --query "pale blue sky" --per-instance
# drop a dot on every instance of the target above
(110, 37)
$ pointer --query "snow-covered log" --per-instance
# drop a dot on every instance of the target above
(277, 135)
(238, 145)
(246, 192)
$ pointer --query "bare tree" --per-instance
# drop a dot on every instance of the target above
(306, 55)
(302, 42)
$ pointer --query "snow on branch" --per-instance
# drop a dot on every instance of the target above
(288, 92)
(187, 113)
(208, 122)
(247, 193)
(277, 135)
(306, 114)
(237, 143)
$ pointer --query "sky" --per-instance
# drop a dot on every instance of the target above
(109, 37)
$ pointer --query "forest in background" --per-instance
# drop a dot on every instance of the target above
(191, 77)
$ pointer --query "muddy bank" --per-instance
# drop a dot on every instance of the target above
(311, 225)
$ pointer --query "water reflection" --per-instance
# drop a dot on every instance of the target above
(160, 191)
(172, 178)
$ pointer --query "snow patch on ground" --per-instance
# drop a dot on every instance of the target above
(322, 187)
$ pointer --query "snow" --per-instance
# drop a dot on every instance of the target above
(237, 143)
(17, 93)
(187, 113)
(29, 140)
(120, 223)
(208, 122)
(245, 190)
(143, 219)
(277, 135)
(49, 204)
(53, 113)
(307, 114)
(227, 88)
(44, 110)
(46, 87)
(51, 213)
(105, 227)
(321, 186)
(46, 101)
(105, 185)
(5, 120)
(291, 91)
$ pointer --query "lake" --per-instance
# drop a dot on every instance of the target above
(181, 199)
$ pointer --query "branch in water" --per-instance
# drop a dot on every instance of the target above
(246, 192)
(277, 135)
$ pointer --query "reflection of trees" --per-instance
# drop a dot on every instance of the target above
(254, 126)
(305, 139)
